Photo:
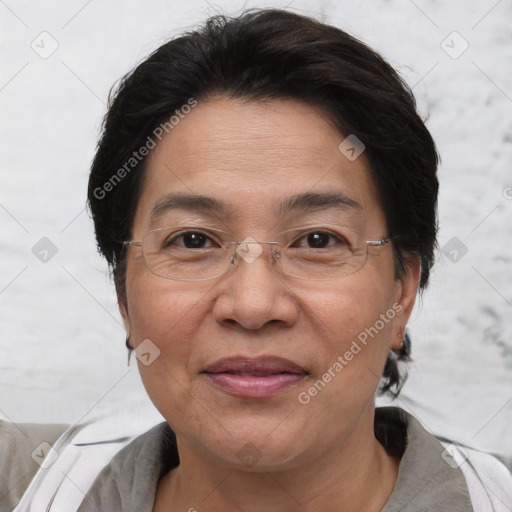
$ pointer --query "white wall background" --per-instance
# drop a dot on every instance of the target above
(62, 354)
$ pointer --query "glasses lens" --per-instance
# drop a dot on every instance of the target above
(323, 253)
(184, 254)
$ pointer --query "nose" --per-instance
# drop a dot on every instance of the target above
(253, 295)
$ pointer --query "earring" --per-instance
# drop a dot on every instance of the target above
(130, 349)
(401, 343)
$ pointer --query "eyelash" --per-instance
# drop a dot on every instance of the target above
(302, 236)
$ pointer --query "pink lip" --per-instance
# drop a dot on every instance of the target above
(254, 377)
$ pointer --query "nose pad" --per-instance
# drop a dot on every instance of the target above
(251, 249)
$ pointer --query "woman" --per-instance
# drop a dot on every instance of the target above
(265, 194)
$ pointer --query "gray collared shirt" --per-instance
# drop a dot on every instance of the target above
(425, 481)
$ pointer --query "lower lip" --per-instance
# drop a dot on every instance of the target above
(255, 387)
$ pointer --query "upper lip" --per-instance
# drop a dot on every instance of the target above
(265, 365)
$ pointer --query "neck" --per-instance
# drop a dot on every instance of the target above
(357, 475)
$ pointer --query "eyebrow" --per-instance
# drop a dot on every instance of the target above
(318, 201)
(304, 202)
(187, 202)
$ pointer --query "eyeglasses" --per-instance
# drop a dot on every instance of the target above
(193, 253)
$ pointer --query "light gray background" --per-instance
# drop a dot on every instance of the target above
(62, 354)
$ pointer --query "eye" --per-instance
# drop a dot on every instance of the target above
(319, 240)
(188, 240)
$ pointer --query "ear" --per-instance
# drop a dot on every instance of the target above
(123, 309)
(405, 295)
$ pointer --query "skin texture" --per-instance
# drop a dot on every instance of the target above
(319, 456)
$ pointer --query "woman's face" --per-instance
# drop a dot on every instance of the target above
(251, 158)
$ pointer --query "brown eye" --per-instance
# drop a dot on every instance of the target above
(319, 240)
(188, 240)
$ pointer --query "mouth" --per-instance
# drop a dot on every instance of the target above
(254, 377)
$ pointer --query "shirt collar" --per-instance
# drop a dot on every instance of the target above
(425, 481)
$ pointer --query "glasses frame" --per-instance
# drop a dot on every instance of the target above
(275, 254)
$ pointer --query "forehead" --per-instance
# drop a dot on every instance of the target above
(252, 158)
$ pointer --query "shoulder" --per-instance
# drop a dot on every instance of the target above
(105, 455)
(23, 448)
(129, 481)
(488, 479)
(436, 472)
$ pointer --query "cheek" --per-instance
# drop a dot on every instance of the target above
(354, 321)
(351, 342)
(156, 305)
(170, 317)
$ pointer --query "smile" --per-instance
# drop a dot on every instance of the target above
(254, 378)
